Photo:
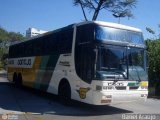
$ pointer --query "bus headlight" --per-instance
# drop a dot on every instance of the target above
(107, 87)
(98, 88)
(144, 87)
(144, 95)
(106, 99)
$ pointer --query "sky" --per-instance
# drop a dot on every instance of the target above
(19, 15)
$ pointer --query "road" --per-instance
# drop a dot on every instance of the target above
(29, 104)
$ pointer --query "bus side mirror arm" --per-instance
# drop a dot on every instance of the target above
(96, 59)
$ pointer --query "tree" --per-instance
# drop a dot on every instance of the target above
(5, 39)
(153, 48)
(150, 30)
(119, 8)
(156, 34)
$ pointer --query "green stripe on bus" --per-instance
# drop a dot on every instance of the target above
(41, 71)
(133, 84)
(49, 71)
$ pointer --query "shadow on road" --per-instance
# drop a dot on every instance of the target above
(32, 101)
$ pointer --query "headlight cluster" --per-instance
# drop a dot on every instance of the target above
(100, 88)
(144, 85)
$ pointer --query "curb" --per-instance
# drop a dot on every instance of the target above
(3, 73)
(155, 97)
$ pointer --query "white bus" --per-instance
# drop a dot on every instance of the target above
(93, 62)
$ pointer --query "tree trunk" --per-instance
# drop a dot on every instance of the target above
(84, 14)
(95, 15)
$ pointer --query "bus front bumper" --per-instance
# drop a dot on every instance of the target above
(106, 97)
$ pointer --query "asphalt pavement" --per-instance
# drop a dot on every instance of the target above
(29, 104)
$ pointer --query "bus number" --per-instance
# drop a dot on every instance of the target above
(24, 62)
(116, 84)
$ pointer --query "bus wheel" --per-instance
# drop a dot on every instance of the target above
(15, 77)
(18, 81)
(64, 92)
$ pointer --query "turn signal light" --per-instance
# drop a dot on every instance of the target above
(143, 95)
(144, 84)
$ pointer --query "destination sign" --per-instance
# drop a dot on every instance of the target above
(25, 62)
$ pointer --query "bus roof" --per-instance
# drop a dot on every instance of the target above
(44, 34)
(110, 24)
(101, 23)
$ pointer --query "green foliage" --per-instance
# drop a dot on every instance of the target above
(9, 36)
(150, 30)
(153, 47)
(119, 8)
(5, 39)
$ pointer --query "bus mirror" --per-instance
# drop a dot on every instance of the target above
(96, 54)
(96, 58)
(95, 50)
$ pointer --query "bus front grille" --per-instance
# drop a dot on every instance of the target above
(120, 87)
(133, 87)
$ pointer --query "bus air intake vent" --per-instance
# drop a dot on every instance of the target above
(120, 87)
(133, 87)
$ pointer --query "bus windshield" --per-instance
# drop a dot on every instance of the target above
(118, 62)
(114, 34)
(137, 64)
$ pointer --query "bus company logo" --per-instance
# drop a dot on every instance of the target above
(64, 63)
(24, 62)
(82, 92)
(4, 117)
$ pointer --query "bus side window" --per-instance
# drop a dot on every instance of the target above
(38, 47)
(84, 54)
(30, 49)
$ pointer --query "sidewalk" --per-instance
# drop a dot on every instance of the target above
(3, 76)
(155, 97)
(3, 72)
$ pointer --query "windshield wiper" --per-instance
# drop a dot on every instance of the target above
(121, 73)
(134, 68)
(113, 73)
(138, 75)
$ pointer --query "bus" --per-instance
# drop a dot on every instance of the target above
(93, 62)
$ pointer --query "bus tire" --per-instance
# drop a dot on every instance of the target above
(64, 92)
(18, 82)
(15, 77)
